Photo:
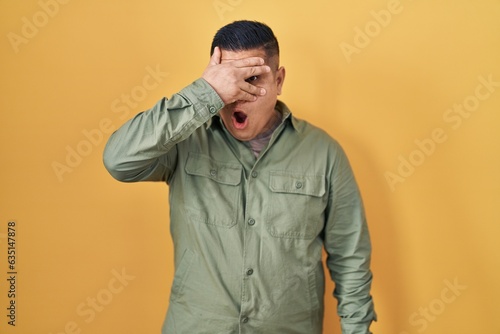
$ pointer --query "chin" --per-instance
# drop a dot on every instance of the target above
(242, 136)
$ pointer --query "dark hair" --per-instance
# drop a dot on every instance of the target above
(246, 35)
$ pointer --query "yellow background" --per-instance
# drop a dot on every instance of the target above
(438, 225)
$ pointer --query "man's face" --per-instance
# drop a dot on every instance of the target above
(243, 119)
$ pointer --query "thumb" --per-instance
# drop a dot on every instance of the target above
(215, 59)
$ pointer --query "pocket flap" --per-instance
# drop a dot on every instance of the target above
(222, 172)
(296, 183)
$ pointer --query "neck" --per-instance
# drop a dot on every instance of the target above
(261, 140)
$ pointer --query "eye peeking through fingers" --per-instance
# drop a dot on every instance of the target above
(252, 79)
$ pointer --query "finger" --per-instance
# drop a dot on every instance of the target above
(256, 71)
(215, 59)
(248, 88)
(248, 62)
(246, 97)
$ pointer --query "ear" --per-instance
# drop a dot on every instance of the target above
(280, 79)
(215, 59)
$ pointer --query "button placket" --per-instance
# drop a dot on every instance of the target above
(249, 278)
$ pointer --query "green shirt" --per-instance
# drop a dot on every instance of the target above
(249, 232)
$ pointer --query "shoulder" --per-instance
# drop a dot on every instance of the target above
(314, 135)
(304, 128)
(318, 141)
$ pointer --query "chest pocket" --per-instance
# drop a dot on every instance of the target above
(296, 205)
(212, 190)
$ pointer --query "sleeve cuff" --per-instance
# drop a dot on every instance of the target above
(205, 99)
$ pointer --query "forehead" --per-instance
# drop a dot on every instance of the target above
(227, 55)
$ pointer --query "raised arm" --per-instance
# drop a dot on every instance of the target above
(143, 149)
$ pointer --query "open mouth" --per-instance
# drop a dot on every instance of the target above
(240, 119)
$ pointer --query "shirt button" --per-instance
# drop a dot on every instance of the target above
(213, 172)
(255, 174)
(298, 185)
(251, 222)
(249, 272)
(244, 320)
(212, 110)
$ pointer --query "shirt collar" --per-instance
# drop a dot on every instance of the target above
(287, 115)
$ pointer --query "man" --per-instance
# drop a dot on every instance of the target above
(255, 195)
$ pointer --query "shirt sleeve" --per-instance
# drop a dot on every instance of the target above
(348, 247)
(144, 148)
